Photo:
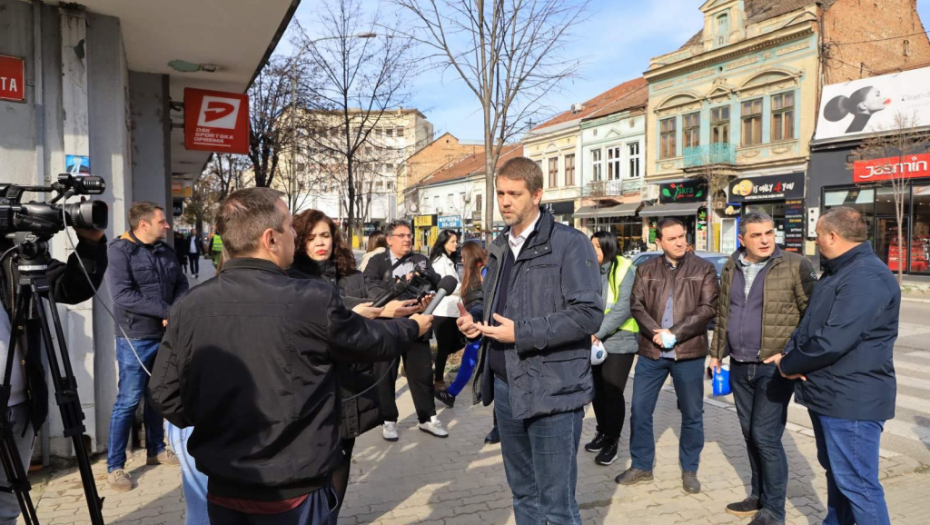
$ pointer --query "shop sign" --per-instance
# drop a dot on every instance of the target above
(216, 121)
(12, 79)
(450, 222)
(772, 187)
(794, 226)
(889, 168)
(689, 191)
(560, 208)
(182, 189)
(424, 221)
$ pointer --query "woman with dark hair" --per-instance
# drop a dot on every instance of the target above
(377, 243)
(321, 253)
(449, 339)
(863, 103)
(618, 333)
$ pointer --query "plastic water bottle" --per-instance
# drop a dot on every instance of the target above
(722, 381)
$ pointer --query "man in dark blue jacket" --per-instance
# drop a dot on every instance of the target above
(541, 305)
(842, 351)
(144, 279)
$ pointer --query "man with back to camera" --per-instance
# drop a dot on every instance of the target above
(674, 299)
(28, 403)
(144, 279)
(398, 261)
(764, 292)
(843, 353)
(541, 304)
(249, 361)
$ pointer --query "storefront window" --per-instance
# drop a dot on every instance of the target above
(920, 245)
(776, 210)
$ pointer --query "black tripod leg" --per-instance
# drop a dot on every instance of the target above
(13, 467)
(66, 394)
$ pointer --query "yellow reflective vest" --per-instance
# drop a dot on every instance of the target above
(617, 273)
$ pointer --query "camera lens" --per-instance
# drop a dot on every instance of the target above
(88, 214)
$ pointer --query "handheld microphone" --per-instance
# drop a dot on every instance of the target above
(396, 291)
(446, 287)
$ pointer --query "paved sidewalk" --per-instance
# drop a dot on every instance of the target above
(459, 480)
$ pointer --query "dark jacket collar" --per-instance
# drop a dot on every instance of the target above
(303, 263)
(251, 263)
(834, 265)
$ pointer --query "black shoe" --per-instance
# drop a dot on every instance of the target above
(608, 454)
(446, 398)
(597, 443)
(634, 476)
(763, 518)
(690, 483)
(744, 509)
(493, 437)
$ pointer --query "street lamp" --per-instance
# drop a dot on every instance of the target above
(293, 181)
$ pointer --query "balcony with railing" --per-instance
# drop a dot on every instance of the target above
(710, 155)
(612, 188)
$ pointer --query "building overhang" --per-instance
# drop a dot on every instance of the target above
(237, 37)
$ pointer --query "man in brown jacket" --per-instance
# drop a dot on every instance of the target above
(763, 296)
(674, 298)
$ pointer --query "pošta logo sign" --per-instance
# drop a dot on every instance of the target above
(772, 187)
(216, 121)
(691, 191)
(12, 79)
(906, 167)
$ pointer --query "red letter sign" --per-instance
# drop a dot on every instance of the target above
(904, 167)
(12, 79)
(216, 121)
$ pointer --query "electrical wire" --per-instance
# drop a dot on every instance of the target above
(876, 40)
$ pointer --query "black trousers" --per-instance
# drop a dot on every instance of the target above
(449, 341)
(195, 262)
(419, 367)
(609, 381)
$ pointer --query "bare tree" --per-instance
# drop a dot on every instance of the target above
(224, 174)
(508, 53)
(898, 141)
(364, 70)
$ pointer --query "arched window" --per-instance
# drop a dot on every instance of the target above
(723, 29)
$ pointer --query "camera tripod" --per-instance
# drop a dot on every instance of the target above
(34, 306)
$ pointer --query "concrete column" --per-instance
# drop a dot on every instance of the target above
(149, 100)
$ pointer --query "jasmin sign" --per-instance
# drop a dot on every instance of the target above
(904, 167)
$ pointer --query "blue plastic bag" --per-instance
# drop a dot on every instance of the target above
(722, 381)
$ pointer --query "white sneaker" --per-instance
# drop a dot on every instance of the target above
(434, 427)
(389, 430)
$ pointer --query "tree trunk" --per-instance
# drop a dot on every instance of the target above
(904, 255)
(489, 188)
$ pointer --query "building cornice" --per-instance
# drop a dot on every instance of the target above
(730, 52)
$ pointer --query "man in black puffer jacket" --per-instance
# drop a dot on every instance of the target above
(249, 361)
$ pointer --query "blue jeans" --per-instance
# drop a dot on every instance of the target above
(133, 385)
(193, 481)
(688, 378)
(848, 450)
(466, 368)
(540, 460)
(317, 509)
(761, 396)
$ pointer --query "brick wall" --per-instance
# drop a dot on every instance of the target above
(875, 21)
(442, 151)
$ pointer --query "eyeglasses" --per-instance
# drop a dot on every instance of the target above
(402, 235)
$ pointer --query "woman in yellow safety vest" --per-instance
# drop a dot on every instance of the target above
(618, 334)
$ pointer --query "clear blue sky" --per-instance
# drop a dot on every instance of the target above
(615, 43)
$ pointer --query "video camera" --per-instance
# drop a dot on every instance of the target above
(47, 219)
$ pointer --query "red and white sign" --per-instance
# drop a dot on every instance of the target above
(907, 167)
(12, 79)
(216, 121)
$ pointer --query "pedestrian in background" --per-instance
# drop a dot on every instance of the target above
(674, 299)
(377, 243)
(180, 251)
(843, 353)
(764, 292)
(449, 339)
(194, 247)
(618, 334)
(144, 280)
(541, 304)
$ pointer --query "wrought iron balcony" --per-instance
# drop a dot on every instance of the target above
(709, 155)
(612, 188)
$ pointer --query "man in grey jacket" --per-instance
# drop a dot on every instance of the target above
(618, 335)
